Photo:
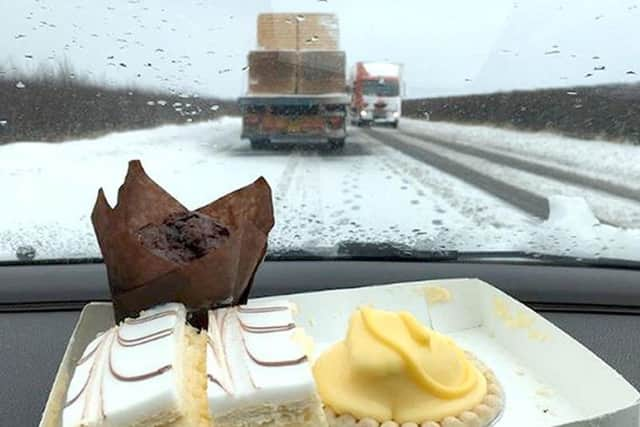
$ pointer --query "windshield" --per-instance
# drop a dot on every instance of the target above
(380, 87)
(518, 127)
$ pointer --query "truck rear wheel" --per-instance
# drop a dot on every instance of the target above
(336, 143)
(259, 144)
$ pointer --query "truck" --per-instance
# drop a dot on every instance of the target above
(296, 89)
(376, 93)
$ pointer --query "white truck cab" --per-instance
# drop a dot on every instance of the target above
(376, 93)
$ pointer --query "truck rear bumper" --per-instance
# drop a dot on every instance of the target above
(283, 137)
(277, 99)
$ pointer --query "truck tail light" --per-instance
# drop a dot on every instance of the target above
(335, 122)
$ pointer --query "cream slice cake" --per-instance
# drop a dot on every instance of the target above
(147, 371)
(257, 374)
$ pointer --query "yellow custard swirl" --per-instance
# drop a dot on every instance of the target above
(390, 367)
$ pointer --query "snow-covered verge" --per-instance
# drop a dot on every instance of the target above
(612, 161)
(48, 189)
(370, 192)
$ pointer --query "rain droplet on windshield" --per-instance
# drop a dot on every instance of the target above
(26, 253)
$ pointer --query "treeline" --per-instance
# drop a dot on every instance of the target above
(54, 109)
(610, 112)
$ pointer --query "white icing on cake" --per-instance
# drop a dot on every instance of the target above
(253, 358)
(130, 373)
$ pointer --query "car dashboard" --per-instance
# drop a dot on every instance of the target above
(39, 305)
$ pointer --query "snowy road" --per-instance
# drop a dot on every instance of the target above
(371, 191)
(520, 181)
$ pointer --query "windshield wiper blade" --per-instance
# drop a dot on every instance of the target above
(386, 251)
(50, 261)
(391, 251)
(295, 254)
(362, 251)
(546, 258)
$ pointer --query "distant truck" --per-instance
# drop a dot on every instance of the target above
(297, 88)
(376, 93)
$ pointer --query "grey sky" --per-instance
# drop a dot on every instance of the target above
(448, 47)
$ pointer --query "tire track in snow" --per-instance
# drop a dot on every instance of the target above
(282, 200)
(480, 208)
(553, 172)
(608, 208)
(524, 200)
(286, 178)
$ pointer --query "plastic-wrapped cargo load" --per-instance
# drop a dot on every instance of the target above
(273, 72)
(286, 31)
(321, 72)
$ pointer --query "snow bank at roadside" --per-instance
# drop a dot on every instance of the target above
(573, 227)
(48, 189)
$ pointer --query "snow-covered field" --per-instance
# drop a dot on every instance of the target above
(369, 192)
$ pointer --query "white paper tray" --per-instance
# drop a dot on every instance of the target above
(549, 379)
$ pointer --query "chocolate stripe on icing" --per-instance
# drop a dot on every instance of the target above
(217, 332)
(141, 320)
(134, 342)
(224, 349)
(145, 339)
(218, 383)
(274, 364)
(134, 378)
(90, 374)
(84, 386)
(277, 363)
(266, 329)
(88, 356)
(220, 365)
(245, 309)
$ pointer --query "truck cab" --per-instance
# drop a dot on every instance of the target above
(376, 94)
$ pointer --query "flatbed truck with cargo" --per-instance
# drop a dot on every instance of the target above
(297, 89)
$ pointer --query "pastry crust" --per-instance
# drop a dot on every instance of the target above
(482, 415)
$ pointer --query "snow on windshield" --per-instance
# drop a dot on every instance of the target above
(369, 192)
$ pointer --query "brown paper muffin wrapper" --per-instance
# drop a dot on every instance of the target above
(139, 279)
(484, 414)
